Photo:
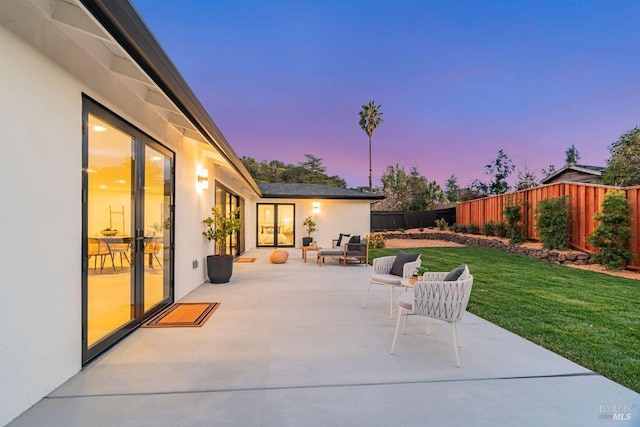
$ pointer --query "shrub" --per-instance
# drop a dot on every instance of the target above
(513, 213)
(500, 229)
(553, 222)
(441, 223)
(463, 228)
(377, 241)
(611, 237)
(489, 228)
(422, 270)
(474, 229)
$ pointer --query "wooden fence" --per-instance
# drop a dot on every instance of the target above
(585, 200)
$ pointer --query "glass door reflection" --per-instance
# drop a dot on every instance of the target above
(110, 296)
(157, 219)
(128, 190)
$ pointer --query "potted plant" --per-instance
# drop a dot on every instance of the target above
(309, 225)
(218, 228)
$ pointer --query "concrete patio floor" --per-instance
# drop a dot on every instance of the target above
(291, 345)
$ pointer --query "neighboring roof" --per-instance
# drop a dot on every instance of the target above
(124, 24)
(586, 169)
(313, 191)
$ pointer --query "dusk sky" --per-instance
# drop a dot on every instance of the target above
(457, 80)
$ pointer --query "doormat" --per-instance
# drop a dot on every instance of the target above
(244, 259)
(185, 314)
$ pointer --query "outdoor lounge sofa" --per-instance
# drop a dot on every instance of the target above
(356, 249)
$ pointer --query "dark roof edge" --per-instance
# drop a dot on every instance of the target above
(122, 21)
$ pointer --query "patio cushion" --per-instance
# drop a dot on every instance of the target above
(406, 300)
(354, 251)
(388, 279)
(339, 242)
(401, 259)
(455, 274)
(354, 239)
(331, 252)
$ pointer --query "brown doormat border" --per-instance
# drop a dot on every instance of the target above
(182, 314)
(243, 259)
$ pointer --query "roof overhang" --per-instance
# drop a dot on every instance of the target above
(118, 45)
(122, 22)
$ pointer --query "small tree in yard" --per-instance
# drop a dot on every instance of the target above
(499, 170)
(611, 238)
(623, 167)
(553, 222)
(513, 214)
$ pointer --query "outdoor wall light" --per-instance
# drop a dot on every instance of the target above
(202, 179)
(316, 207)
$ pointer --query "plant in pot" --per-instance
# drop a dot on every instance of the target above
(309, 225)
(218, 228)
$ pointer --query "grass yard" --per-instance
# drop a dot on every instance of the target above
(590, 318)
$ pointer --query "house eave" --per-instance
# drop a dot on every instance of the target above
(122, 22)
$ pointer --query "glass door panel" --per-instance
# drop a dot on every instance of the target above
(127, 244)
(276, 224)
(285, 225)
(266, 224)
(110, 296)
(233, 203)
(157, 219)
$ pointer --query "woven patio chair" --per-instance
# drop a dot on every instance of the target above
(435, 298)
(385, 274)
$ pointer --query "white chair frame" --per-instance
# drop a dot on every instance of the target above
(436, 299)
(383, 265)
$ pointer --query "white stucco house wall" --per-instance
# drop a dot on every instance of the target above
(334, 210)
(66, 64)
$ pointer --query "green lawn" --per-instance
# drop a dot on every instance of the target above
(590, 318)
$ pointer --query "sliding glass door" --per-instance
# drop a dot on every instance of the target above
(276, 224)
(127, 228)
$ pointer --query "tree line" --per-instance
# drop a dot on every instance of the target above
(413, 191)
(310, 171)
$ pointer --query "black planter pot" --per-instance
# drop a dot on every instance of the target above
(219, 268)
(306, 241)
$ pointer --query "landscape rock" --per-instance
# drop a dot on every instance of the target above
(557, 257)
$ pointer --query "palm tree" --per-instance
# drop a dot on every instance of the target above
(370, 118)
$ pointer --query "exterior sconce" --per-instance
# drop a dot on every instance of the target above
(316, 207)
(202, 179)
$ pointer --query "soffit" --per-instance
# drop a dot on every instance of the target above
(79, 25)
(34, 18)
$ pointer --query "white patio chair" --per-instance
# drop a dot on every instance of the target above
(382, 276)
(437, 299)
